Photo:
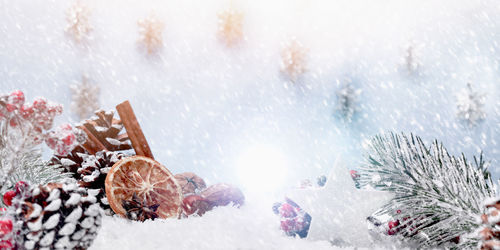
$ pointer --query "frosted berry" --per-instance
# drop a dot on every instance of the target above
(287, 210)
(7, 197)
(26, 111)
(5, 227)
(10, 107)
(6, 244)
(40, 103)
(13, 123)
(393, 224)
(21, 186)
(69, 140)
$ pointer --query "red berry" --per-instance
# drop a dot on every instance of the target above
(13, 123)
(5, 226)
(354, 174)
(16, 97)
(10, 107)
(391, 232)
(2, 209)
(6, 245)
(40, 103)
(287, 210)
(26, 111)
(398, 211)
(21, 186)
(7, 197)
(69, 140)
(393, 224)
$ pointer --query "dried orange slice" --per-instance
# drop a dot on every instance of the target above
(149, 180)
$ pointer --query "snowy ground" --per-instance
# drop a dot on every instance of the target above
(250, 227)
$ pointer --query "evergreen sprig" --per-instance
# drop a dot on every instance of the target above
(438, 197)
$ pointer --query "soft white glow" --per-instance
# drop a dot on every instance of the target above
(262, 168)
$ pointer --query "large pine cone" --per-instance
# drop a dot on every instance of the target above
(93, 171)
(72, 161)
(56, 216)
(489, 233)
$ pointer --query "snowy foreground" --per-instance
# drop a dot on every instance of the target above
(250, 227)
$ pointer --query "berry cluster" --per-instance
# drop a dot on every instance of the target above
(64, 139)
(28, 123)
(294, 220)
(6, 225)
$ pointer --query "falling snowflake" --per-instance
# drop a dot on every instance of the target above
(230, 27)
(85, 98)
(470, 105)
(411, 62)
(77, 17)
(150, 33)
(346, 101)
(294, 60)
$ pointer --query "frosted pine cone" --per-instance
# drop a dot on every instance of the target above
(490, 232)
(72, 161)
(93, 171)
(56, 216)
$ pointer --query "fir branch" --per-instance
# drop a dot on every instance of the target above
(437, 196)
(31, 168)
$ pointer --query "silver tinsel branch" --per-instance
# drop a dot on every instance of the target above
(437, 196)
(470, 105)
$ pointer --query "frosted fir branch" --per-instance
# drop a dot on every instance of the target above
(437, 196)
(470, 106)
(31, 168)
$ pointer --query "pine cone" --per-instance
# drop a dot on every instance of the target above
(105, 133)
(490, 232)
(56, 216)
(71, 162)
(93, 171)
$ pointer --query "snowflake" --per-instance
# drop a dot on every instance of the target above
(85, 98)
(294, 60)
(150, 33)
(230, 26)
(77, 17)
(411, 61)
(346, 101)
(470, 105)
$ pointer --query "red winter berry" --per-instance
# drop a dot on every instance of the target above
(2, 209)
(16, 98)
(6, 245)
(287, 210)
(354, 174)
(21, 186)
(13, 123)
(7, 197)
(69, 140)
(40, 103)
(26, 111)
(393, 224)
(10, 107)
(5, 226)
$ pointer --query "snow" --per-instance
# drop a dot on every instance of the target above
(223, 228)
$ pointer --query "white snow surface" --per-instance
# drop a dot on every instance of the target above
(249, 227)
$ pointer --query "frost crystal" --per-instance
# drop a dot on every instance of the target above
(346, 101)
(85, 98)
(470, 105)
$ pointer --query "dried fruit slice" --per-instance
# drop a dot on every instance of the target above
(149, 180)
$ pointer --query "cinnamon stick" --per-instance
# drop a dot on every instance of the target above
(134, 131)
